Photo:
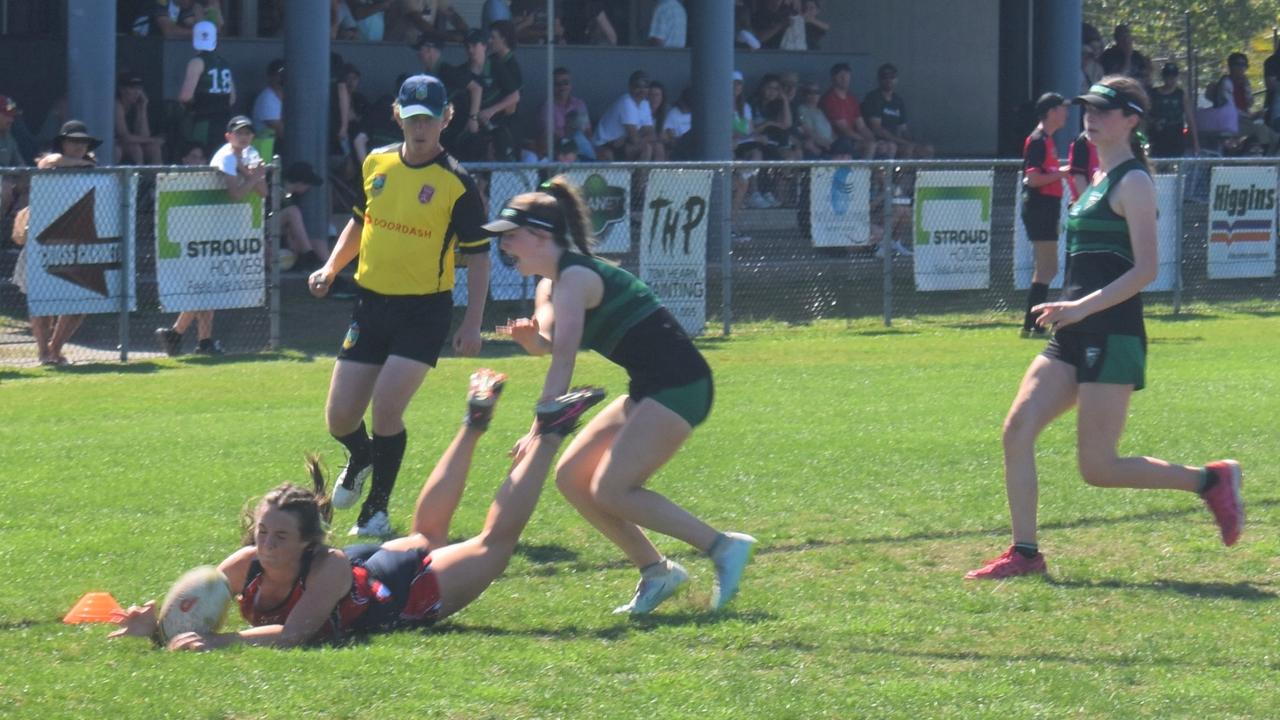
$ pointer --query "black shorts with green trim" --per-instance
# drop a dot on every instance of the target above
(664, 364)
(1102, 358)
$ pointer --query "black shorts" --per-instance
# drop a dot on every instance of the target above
(663, 364)
(411, 326)
(1101, 358)
(1040, 215)
(411, 592)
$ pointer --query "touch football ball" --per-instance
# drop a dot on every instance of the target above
(197, 602)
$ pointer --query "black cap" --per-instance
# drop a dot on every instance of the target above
(75, 130)
(476, 37)
(302, 172)
(1105, 97)
(275, 66)
(1047, 102)
(237, 122)
(1170, 68)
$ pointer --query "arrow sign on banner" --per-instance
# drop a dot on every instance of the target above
(75, 253)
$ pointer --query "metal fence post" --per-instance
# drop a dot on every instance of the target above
(128, 245)
(273, 251)
(1180, 185)
(723, 180)
(886, 240)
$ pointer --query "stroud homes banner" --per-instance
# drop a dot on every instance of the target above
(209, 246)
(77, 243)
(673, 243)
(1242, 222)
(505, 282)
(839, 206)
(608, 194)
(953, 230)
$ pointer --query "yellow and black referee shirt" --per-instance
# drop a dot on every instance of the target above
(412, 216)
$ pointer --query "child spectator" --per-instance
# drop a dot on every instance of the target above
(268, 107)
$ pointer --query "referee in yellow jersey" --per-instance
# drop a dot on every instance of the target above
(419, 205)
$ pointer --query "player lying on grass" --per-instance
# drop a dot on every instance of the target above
(583, 301)
(294, 589)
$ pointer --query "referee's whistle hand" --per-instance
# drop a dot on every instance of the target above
(467, 342)
(318, 283)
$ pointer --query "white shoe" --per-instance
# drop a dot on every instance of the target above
(901, 249)
(343, 497)
(773, 200)
(376, 526)
(758, 201)
(731, 557)
(654, 587)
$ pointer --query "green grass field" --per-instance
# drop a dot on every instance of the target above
(866, 460)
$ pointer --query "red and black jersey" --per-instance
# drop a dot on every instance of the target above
(1083, 159)
(364, 590)
(1040, 156)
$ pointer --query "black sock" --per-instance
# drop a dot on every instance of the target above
(1039, 293)
(1026, 550)
(357, 445)
(1207, 480)
(388, 451)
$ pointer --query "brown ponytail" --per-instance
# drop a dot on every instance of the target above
(311, 507)
(574, 208)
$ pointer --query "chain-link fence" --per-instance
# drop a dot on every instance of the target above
(112, 263)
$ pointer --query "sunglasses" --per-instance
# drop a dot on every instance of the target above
(562, 83)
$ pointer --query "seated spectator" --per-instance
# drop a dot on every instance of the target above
(1120, 57)
(1253, 136)
(658, 108)
(268, 107)
(845, 115)
(501, 96)
(430, 49)
(886, 116)
(563, 102)
(342, 24)
(10, 153)
(773, 119)
(814, 28)
(370, 17)
(625, 130)
(208, 89)
(566, 151)
(771, 21)
(668, 26)
(816, 135)
(676, 124)
(310, 253)
(464, 137)
(744, 38)
(134, 141)
(748, 144)
(176, 19)
(494, 10)
(358, 111)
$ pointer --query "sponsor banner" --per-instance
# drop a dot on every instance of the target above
(1242, 222)
(952, 226)
(76, 245)
(673, 243)
(210, 247)
(1024, 255)
(505, 282)
(840, 206)
(608, 195)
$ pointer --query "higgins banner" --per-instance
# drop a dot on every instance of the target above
(608, 195)
(673, 243)
(210, 248)
(840, 206)
(1242, 222)
(505, 282)
(77, 242)
(953, 230)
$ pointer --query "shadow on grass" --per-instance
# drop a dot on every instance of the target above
(1176, 340)
(626, 626)
(1184, 316)
(992, 325)
(1234, 591)
(1011, 658)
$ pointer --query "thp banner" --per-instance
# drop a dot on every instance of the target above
(839, 206)
(953, 230)
(673, 243)
(77, 243)
(1242, 222)
(210, 248)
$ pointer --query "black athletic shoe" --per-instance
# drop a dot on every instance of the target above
(482, 395)
(170, 341)
(561, 415)
(209, 346)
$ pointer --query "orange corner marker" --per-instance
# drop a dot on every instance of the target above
(93, 607)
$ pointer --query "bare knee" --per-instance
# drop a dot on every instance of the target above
(573, 483)
(1096, 468)
(1019, 430)
(608, 496)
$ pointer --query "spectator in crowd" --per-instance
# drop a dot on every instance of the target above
(243, 172)
(815, 29)
(594, 26)
(566, 151)
(310, 253)
(10, 156)
(430, 49)
(563, 102)
(208, 89)
(771, 21)
(676, 124)
(886, 116)
(1252, 135)
(658, 107)
(501, 94)
(370, 17)
(176, 19)
(342, 24)
(1172, 119)
(530, 20)
(1090, 56)
(134, 141)
(669, 24)
(749, 145)
(72, 148)
(815, 132)
(448, 23)
(744, 37)
(1120, 58)
(358, 110)
(625, 130)
(463, 137)
(845, 115)
(1271, 80)
(773, 119)
(268, 107)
